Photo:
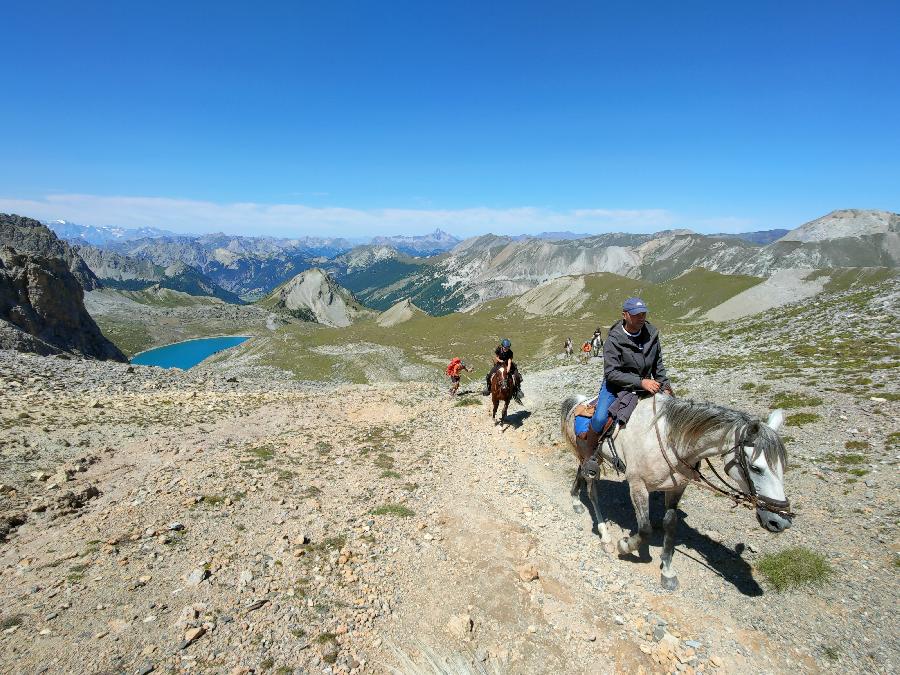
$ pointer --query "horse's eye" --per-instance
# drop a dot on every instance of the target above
(755, 469)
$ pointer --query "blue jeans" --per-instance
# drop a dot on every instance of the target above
(604, 400)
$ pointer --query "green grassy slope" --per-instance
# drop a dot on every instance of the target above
(314, 352)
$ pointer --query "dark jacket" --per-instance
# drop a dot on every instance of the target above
(625, 363)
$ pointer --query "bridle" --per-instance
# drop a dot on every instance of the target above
(750, 499)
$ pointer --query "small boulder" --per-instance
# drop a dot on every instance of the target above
(460, 626)
(527, 572)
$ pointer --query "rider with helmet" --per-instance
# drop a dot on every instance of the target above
(503, 355)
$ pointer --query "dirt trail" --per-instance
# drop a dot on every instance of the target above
(314, 531)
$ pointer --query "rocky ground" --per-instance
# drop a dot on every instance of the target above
(159, 521)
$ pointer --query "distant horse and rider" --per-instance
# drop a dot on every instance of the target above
(569, 347)
(658, 441)
(503, 381)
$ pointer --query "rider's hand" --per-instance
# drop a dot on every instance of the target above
(650, 385)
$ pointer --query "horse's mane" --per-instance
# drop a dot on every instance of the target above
(688, 421)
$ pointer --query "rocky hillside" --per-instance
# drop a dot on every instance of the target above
(27, 235)
(483, 268)
(124, 272)
(403, 311)
(314, 296)
(848, 238)
(42, 309)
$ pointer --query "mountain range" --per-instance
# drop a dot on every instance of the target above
(490, 266)
(441, 274)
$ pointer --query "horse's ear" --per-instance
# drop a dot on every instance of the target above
(776, 419)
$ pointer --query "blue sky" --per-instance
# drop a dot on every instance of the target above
(361, 118)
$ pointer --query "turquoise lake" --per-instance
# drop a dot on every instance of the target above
(186, 354)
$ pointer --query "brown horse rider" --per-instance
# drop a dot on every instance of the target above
(503, 358)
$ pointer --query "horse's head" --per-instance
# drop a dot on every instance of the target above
(761, 471)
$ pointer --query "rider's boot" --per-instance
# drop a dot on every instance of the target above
(591, 441)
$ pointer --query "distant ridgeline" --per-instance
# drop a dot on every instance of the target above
(441, 274)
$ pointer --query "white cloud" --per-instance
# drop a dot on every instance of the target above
(184, 215)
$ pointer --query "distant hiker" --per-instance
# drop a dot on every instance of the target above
(503, 361)
(455, 367)
(597, 342)
(585, 352)
(569, 346)
(632, 362)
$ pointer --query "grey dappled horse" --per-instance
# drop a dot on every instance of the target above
(596, 345)
(691, 431)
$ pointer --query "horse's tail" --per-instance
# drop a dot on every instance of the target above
(566, 408)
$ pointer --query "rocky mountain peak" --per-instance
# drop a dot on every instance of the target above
(846, 223)
(42, 309)
(27, 235)
(314, 295)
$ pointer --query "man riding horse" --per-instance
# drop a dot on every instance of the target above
(632, 361)
(503, 360)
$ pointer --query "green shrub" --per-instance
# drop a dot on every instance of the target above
(799, 419)
(789, 400)
(461, 402)
(393, 510)
(857, 445)
(794, 567)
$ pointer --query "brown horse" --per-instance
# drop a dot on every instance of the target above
(503, 390)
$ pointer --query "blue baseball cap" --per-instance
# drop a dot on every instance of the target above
(634, 306)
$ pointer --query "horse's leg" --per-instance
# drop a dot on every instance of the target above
(575, 492)
(605, 539)
(496, 402)
(669, 579)
(640, 499)
(505, 408)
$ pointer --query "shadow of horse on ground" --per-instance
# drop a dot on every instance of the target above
(615, 501)
(516, 419)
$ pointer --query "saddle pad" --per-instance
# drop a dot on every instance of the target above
(581, 424)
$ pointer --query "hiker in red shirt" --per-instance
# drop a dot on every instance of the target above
(453, 370)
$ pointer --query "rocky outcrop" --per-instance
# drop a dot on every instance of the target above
(314, 296)
(27, 235)
(42, 309)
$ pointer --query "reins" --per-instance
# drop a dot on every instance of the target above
(751, 500)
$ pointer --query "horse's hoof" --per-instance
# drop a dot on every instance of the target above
(624, 549)
(669, 583)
